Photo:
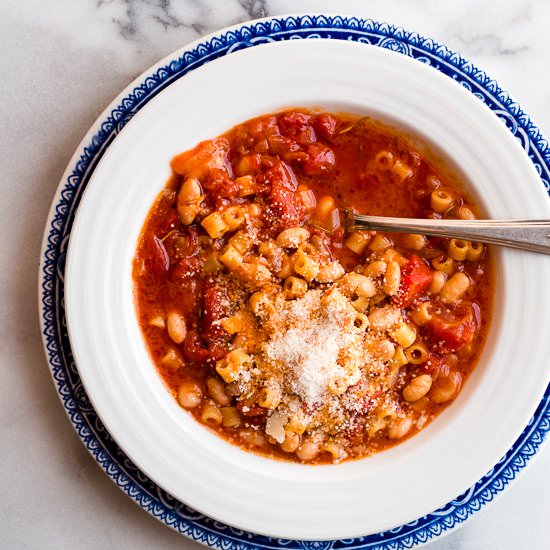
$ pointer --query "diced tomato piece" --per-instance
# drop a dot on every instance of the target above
(170, 221)
(205, 157)
(250, 410)
(416, 277)
(216, 306)
(285, 204)
(184, 245)
(263, 126)
(248, 164)
(320, 159)
(193, 348)
(453, 330)
(221, 187)
(291, 124)
(157, 259)
(433, 364)
(306, 136)
(325, 125)
(186, 268)
(362, 404)
(281, 145)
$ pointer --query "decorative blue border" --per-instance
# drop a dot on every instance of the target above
(90, 429)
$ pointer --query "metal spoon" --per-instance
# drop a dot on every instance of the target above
(533, 235)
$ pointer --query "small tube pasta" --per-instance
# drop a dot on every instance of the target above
(241, 241)
(361, 303)
(399, 358)
(268, 398)
(215, 225)
(211, 414)
(401, 171)
(384, 160)
(212, 263)
(260, 303)
(361, 321)
(294, 287)
(231, 258)
(247, 185)
(334, 450)
(306, 266)
(292, 237)
(440, 201)
(230, 417)
(444, 264)
(229, 367)
(458, 249)
(403, 334)
(233, 217)
(357, 242)
(330, 272)
(475, 250)
(421, 315)
(417, 354)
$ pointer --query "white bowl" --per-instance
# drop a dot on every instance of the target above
(242, 489)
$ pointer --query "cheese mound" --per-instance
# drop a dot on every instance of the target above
(318, 362)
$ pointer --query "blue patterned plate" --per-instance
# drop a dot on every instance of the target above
(88, 425)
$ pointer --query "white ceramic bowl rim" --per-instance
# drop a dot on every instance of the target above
(348, 478)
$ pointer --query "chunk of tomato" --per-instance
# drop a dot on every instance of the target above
(325, 125)
(205, 157)
(455, 329)
(320, 159)
(293, 123)
(416, 277)
(285, 205)
(216, 306)
(185, 269)
(155, 257)
(193, 348)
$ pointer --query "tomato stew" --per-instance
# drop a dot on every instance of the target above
(281, 332)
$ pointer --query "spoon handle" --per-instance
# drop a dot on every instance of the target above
(533, 235)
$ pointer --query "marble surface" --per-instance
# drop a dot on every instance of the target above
(61, 64)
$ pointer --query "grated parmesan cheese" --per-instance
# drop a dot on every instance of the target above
(321, 370)
(313, 333)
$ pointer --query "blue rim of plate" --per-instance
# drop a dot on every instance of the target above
(95, 437)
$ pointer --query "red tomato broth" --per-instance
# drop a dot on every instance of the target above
(331, 155)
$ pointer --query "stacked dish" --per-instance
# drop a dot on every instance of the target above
(118, 403)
